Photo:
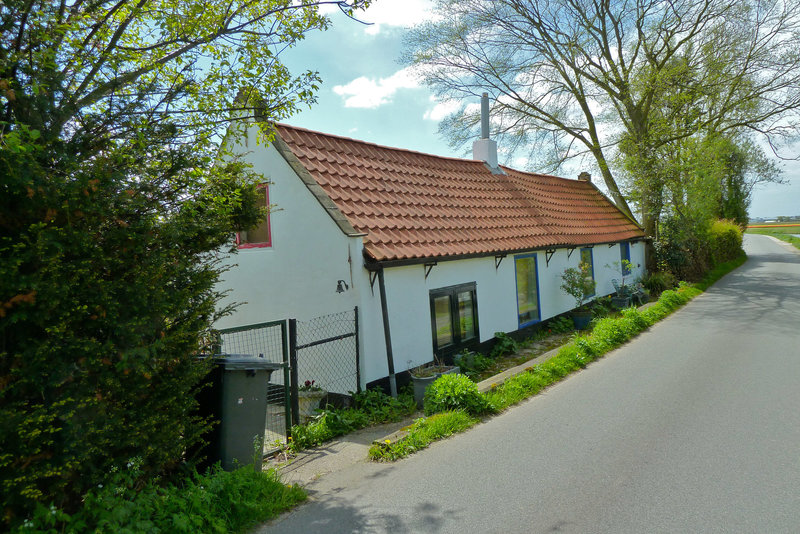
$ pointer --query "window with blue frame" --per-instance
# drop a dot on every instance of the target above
(625, 255)
(586, 257)
(527, 289)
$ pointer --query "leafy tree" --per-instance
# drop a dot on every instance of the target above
(114, 207)
(574, 78)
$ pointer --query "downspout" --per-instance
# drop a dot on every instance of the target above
(387, 334)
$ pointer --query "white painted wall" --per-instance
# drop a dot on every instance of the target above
(407, 293)
(297, 276)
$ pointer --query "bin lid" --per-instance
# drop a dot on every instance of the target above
(245, 362)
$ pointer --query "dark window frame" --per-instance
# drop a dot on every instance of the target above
(452, 292)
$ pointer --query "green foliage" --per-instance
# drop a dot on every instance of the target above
(370, 407)
(725, 241)
(472, 363)
(504, 344)
(561, 325)
(455, 392)
(659, 281)
(217, 501)
(422, 433)
(578, 283)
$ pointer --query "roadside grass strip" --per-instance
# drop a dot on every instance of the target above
(422, 433)
(608, 333)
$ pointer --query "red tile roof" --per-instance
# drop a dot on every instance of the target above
(412, 205)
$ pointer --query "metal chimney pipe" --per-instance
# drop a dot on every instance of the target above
(485, 116)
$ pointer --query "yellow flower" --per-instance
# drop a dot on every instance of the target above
(388, 441)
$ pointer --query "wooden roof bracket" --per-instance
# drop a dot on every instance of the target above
(571, 250)
(548, 254)
(498, 259)
(428, 266)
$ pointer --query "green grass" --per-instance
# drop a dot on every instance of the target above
(217, 501)
(422, 433)
(608, 334)
(784, 234)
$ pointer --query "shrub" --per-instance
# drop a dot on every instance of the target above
(659, 281)
(217, 501)
(504, 344)
(725, 241)
(561, 325)
(455, 392)
(472, 363)
(369, 407)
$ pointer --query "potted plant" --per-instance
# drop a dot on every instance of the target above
(622, 296)
(579, 284)
(424, 375)
(309, 396)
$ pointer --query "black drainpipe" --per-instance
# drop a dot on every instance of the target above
(387, 334)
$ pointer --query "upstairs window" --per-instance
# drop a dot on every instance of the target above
(260, 236)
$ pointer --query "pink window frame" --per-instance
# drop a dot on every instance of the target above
(268, 242)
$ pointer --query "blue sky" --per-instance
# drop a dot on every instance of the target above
(367, 94)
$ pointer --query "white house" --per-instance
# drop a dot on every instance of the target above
(437, 253)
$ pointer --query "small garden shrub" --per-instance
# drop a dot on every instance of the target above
(455, 392)
(370, 407)
(472, 363)
(659, 281)
(561, 325)
(504, 345)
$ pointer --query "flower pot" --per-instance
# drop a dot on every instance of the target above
(581, 319)
(308, 401)
(620, 302)
(422, 383)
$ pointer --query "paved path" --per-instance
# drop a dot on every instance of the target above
(692, 427)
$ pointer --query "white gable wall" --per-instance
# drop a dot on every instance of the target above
(297, 276)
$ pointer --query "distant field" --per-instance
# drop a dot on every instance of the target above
(774, 229)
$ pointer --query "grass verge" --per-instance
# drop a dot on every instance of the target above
(422, 433)
(608, 334)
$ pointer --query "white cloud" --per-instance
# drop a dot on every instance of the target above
(402, 13)
(370, 93)
(440, 110)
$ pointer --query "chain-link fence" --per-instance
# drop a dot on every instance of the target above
(269, 341)
(326, 353)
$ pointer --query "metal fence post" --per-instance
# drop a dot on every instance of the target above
(287, 397)
(294, 374)
(358, 353)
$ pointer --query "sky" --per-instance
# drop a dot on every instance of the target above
(367, 94)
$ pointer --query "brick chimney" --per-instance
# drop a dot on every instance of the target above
(585, 177)
(485, 149)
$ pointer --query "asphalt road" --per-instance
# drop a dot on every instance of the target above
(694, 426)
